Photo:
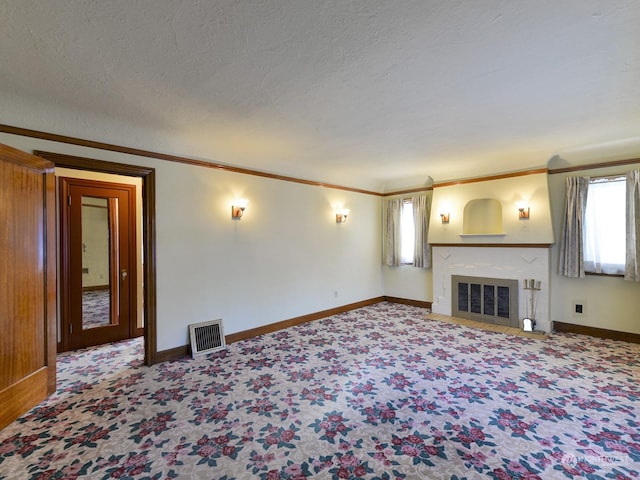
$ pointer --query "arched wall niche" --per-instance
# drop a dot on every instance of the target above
(482, 216)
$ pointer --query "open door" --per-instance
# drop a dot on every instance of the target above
(27, 282)
(98, 262)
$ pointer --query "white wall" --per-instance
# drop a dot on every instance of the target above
(287, 256)
(609, 302)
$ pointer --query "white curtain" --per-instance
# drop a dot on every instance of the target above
(422, 251)
(632, 263)
(392, 234)
(571, 262)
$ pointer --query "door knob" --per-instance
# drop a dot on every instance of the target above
(123, 274)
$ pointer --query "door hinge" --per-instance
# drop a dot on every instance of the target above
(69, 200)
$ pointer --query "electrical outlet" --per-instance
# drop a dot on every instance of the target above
(579, 308)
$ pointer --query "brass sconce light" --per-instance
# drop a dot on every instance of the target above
(341, 215)
(238, 207)
(523, 213)
(444, 217)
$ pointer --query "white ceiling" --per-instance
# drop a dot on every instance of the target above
(373, 94)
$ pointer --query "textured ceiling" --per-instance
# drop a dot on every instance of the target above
(371, 94)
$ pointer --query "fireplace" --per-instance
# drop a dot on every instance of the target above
(493, 262)
(490, 300)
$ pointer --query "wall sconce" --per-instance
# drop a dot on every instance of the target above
(523, 213)
(444, 217)
(341, 215)
(238, 207)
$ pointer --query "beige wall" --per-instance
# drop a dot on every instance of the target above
(532, 190)
(287, 257)
(95, 242)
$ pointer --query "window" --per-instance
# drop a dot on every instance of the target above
(407, 232)
(605, 226)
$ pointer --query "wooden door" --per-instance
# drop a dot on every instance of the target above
(27, 282)
(98, 262)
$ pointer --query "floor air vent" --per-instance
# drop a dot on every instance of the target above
(206, 337)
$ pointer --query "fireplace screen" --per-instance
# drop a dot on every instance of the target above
(492, 300)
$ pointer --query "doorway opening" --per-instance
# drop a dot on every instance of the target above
(99, 259)
(148, 273)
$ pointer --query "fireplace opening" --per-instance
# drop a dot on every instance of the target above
(490, 300)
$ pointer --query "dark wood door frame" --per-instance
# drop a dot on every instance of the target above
(148, 176)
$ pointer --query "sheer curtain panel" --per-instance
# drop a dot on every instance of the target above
(421, 211)
(632, 263)
(392, 233)
(571, 262)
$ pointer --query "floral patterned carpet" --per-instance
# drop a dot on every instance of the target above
(378, 393)
(96, 308)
